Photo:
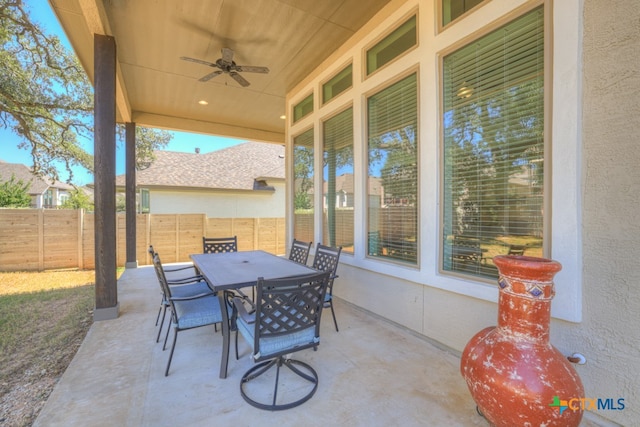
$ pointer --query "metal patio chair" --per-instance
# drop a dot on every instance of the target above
(215, 245)
(187, 312)
(326, 259)
(184, 285)
(300, 251)
(285, 319)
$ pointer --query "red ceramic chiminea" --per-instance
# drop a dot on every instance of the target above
(515, 376)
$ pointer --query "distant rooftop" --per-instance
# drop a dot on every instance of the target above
(236, 167)
(22, 172)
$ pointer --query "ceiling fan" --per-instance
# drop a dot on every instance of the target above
(226, 64)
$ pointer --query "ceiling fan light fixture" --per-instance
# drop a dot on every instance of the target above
(226, 65)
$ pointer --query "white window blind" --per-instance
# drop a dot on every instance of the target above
(494, 147)
(338, 180)
(303, 186)
(393, 172)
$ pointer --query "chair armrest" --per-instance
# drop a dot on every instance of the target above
(186, 280)
(171, 270)
(242, 310)
(206, 294)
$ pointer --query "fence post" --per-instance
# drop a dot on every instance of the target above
(41, 239)
(80, 239)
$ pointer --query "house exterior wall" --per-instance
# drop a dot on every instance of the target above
(221, 204)
(594, 180)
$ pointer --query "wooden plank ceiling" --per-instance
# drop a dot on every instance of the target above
(156, 88)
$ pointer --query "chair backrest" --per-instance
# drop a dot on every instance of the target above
(215, 245)
(285, 307)
(157, 265)
(300, 251)
(326, 258)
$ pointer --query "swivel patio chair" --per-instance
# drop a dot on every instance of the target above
(300, 251)
(194, 285)
(187, 312)
(326, 259)
(286, 320)
(214, 245)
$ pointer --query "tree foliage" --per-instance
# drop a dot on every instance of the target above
(78, 199)
(46, 97)
(14, 193)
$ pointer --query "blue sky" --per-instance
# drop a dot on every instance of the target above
(9, 152)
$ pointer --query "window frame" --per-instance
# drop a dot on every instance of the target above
(390, 29)
(301, 132)
(320, 160)
(439, 16)
(546, 200)
(300, 102)
(415, 70)
(324, 101)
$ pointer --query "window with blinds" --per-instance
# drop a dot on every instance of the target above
(303, 108)
(303, 186)
(337, 138)
(493, 121)
(392, 174)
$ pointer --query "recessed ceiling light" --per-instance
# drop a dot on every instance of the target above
(203, 102)
(283, 117)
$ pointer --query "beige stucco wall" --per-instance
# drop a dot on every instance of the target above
(595, 110)
(609, 335)
(221, 204)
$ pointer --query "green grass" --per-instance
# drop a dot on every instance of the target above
(44, 317)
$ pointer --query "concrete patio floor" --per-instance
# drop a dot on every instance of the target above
(372, 373)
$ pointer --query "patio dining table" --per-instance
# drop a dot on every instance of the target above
(236, 270)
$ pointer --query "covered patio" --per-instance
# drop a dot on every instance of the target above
(372, 372)
(380, 368)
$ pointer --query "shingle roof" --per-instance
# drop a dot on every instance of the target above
(235, 167)
(38, 184)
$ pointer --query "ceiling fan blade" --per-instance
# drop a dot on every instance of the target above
(252, 69)
(209, 76)
(198, 61)
(237, 77)
(227, 55)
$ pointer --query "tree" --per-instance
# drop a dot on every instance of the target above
(14, 194)
(46, 97)
(78, 199)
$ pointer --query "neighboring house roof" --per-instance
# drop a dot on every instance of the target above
(344, 183)
(238, 167)
(38, 184)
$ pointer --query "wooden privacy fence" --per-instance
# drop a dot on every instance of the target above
(44, 239)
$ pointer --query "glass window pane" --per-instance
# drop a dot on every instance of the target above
(338, 84)
(303, 186)
(453, 9)
(494, 147)
(145, 201)
(338, 180)
(302, 108)
(393, 172)
(396, 43)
